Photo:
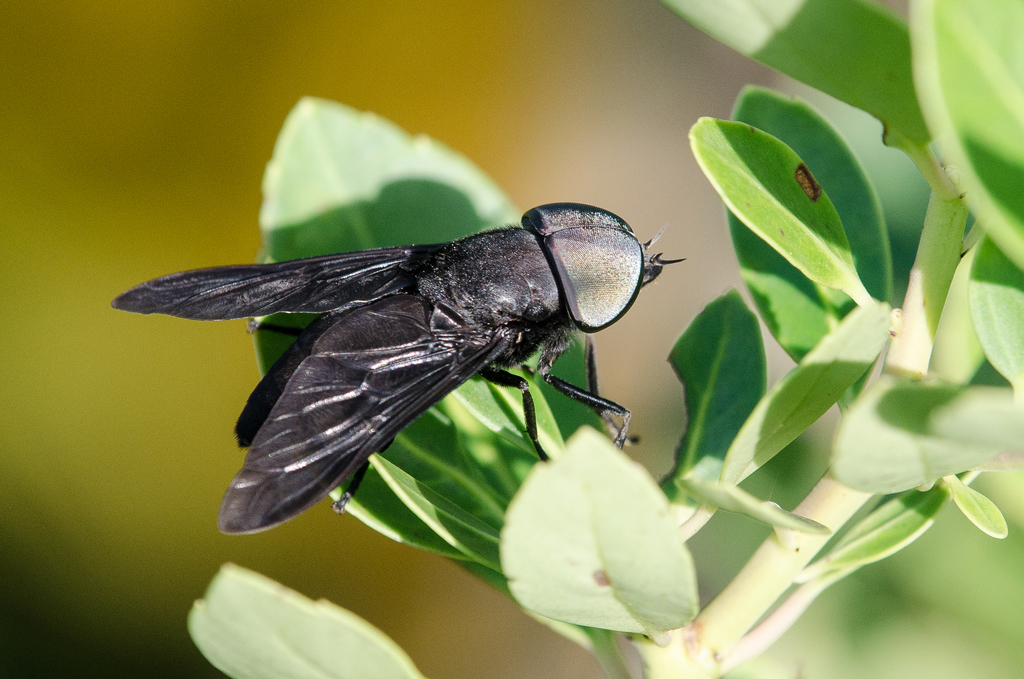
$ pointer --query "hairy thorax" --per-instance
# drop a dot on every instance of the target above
(501, 279)
(493, 279)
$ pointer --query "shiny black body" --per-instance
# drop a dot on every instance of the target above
(400, 328)
(500, 279)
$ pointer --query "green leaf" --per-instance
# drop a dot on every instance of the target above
(503, 465)
(769, 188)
(734, 499)
(271, 343)
(809, 390)
(969, 72)
(431, 451)
(720, 361)
(854, 50)
(590, 540)
(457, 527)
(372, 183)
(996, 295)
(342, 180)
(798, 312)
(982, 415)
(885, 531)
(842, 177)
(453, 475)
(251, 627)
(981, 511)
(571, 366)
(957, 353)
(1004, 462)
(457, 458)
(904, 433)
(383, 511)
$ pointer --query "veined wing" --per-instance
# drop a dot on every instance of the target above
(266, 394)
(315, 284)
(369, 375)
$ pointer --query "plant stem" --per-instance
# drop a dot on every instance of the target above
(609, 653)
(775, 625)
(937, 257)
(789, 611)
(693, 524)
(700, 649)
(771, 570)
(927, 164)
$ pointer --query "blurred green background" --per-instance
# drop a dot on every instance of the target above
(133, 138)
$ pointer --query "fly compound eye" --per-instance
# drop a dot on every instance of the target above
(598, 261)
(600, 270)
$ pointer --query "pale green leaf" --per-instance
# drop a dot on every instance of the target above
(392, 186)
(996, 293)
(250, 627)
(969, 73)
(854, 50)
(770, 189)
(985, 415)
(734, 499)
(1004, 462)
(981, 511)
(904, 433)
(590, 540)
(797, 311)
(885, 531)
(809, 390)
(957, 353)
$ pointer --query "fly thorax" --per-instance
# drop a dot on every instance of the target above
(493, 278)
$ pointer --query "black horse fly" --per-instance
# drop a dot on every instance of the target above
(400, 328)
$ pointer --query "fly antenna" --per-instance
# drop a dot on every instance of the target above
(656, 237)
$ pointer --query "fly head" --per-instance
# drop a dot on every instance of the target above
(598, 261)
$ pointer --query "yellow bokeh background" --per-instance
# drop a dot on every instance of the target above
(133, 138)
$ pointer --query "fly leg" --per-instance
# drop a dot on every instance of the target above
(353, 485)
(507, 379)
(590, 359)
(601, 406)
(253, 325)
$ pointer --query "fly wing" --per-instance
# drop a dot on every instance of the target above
(315, 285)
(262, 399)
(369, 375)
